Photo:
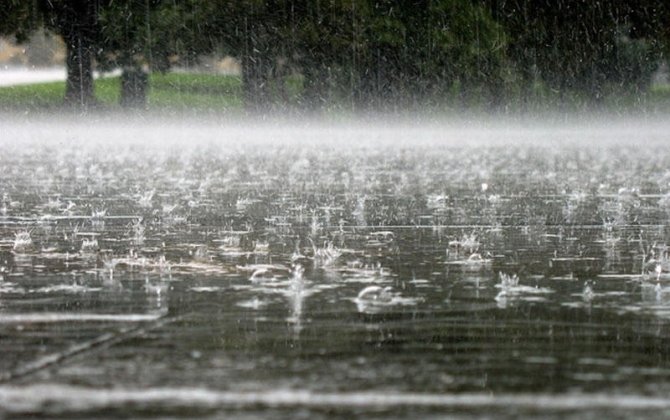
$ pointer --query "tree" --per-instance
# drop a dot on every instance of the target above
(583, 47)
(141, 36)
(76, 21)
(125, 43)
(327, 47)
(18, 18)
(395, 54)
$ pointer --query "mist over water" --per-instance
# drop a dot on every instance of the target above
(411, 130)
(368, 267)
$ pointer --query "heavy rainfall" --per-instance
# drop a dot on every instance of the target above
(334, 208)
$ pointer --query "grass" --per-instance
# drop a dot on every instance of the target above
(31, 97)
(171, 91)
(200, 92)
(214, 94)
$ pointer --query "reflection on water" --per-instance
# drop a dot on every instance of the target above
(357, 278)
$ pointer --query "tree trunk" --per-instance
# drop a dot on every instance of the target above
(79, 84)
(134, 84)
(77, 23)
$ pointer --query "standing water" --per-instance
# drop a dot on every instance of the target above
(385, 271)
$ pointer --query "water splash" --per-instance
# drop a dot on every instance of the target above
(22, 242)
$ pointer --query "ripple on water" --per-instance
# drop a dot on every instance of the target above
(50, 317)
(63, 398)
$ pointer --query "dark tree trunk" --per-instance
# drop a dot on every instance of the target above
(134, 86)
(77, 23)
(79, 84)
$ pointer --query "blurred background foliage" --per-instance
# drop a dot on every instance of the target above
(360, 55)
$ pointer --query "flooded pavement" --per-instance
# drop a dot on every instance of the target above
(334, 272)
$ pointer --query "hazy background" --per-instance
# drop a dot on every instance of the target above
(339, 57)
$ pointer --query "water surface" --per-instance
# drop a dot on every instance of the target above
(329, 271)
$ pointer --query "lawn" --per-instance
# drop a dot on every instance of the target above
(189, 93)
(171, 91)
